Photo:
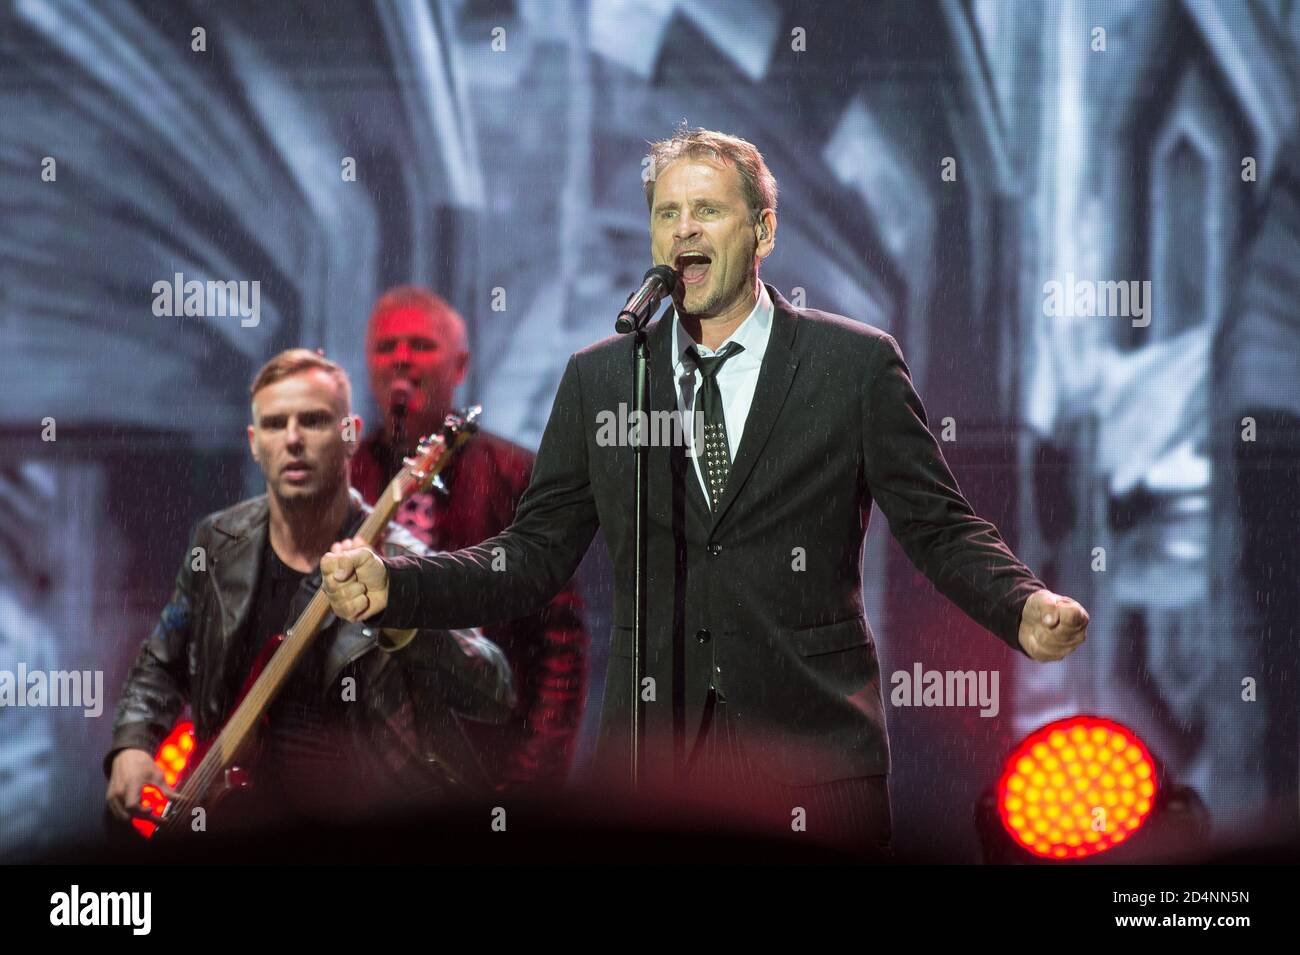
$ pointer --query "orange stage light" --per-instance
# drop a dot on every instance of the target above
(1076, 788)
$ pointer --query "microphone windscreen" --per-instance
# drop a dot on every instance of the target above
(399, 397)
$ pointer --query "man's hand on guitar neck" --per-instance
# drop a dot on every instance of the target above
(132, 770)
(355, 580)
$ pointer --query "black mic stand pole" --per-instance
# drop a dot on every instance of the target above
(633, 319)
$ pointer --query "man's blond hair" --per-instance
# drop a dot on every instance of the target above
(757, 184)
(294, 361)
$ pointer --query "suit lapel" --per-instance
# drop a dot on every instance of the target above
(774, 379)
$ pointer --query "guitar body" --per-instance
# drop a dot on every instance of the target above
(181, 751)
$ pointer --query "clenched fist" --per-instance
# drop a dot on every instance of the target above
(355, 580)
(1052, 626)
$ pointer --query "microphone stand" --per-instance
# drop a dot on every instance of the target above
(633, 320)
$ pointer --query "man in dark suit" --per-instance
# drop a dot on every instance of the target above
(765, 679)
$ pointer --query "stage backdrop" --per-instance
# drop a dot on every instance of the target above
(1081, 221)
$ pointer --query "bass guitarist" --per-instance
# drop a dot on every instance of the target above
(369, 718)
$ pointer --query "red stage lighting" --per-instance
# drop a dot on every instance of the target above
(1076, 788)
(172, 757)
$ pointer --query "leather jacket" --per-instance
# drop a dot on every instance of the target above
(416, 688)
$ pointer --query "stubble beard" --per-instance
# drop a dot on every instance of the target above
(309, 502)
(712, 306)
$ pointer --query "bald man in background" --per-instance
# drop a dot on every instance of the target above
(417, 353)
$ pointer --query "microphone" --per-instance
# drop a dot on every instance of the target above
(399, 398)
(659, 281)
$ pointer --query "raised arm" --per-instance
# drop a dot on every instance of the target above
(962, 554)
(507, 576)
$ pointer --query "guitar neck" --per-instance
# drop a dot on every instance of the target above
(297, 639)
(239, 729)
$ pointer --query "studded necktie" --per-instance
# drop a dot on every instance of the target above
(717, 453)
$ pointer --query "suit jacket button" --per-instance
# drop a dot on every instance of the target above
(702, 635)
(715, 549)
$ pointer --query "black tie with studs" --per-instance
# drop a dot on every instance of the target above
(717, 454)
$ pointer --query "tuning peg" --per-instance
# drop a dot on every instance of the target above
(463, 421)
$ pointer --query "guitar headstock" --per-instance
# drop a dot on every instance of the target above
(422, 467)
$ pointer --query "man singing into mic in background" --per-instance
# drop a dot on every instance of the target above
(766, 684)
(417, 354)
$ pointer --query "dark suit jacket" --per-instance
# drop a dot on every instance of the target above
(547, 651)
(761, 599)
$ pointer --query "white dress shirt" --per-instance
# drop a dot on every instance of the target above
(737, 378)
